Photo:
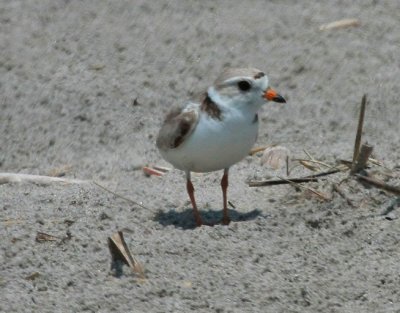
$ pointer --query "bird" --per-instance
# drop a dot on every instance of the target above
(216, 130)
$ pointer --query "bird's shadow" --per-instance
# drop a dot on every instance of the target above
(185, 220)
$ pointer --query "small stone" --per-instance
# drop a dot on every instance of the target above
(391, 216)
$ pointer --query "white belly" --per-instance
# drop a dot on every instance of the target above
(215, 145)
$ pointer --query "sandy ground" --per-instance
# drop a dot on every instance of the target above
(84, 86)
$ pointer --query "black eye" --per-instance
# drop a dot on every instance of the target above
(244, 85)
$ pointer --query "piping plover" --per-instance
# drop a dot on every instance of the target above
(218, 130)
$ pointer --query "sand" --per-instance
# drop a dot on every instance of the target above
(84, 86)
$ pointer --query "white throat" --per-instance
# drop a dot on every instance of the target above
(227, 104)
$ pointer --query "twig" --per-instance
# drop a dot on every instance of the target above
(122, 197)
(362, 159)
(310, 178)
(287, 166)
(359, 130)
(349, 22)
(316, 192)
(148, 171)
(163, 169)
(314, 161)
(349, 164)
(36, 179)
(393, 205)
(259, 149)
(379, 184)
(120, 252)
(346, 163)
(46, 180)
(309, 156)
(342, 194)
(41, 237)
(308, 165)
(378, 163)
(281, 182)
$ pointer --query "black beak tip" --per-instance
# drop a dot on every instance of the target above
(279, 99)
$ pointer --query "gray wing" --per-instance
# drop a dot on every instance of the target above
(178, 125)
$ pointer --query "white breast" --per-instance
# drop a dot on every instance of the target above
(215, 144)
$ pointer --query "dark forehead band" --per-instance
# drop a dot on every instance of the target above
(259, 75)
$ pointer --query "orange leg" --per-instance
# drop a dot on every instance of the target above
(190, 191)
(224, 184)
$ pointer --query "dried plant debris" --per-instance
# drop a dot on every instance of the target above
(378, 183)
(389, 210)
(120, 255)
(32, 276)
(96, 66)
(359, 168)
(340, 191)
(36, 179)
(43, 237)
(362, 159)
(59, 171)
(308, 164)
(275, 157)
(163, 169)
(122, 197)
(344, 23)
(321, 195)
(360, 126)
(306, 179)
(256, 150)
(154, 171)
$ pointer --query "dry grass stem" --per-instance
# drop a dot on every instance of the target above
(308, 164)
(120, 252)
(275, 157)
(32, 276)
(357, 142)
(274, 182)
(379, 184)
(319, 194)
(148, 171)
(287, 166)
(260, 149)
(361, 156)
(36, 179)
(59, 171)
(306, 179)
(362, 159)
(163, 169)
(122, 197)
(378, 163)
(308, 154)
(42, 237)
(345, 23)
(313, 161)
(340, 191)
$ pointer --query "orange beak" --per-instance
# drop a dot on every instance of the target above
(272, 95)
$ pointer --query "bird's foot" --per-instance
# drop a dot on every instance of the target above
(225, 220)
(201, 223)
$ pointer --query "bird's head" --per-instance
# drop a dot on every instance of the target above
(243, 87)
